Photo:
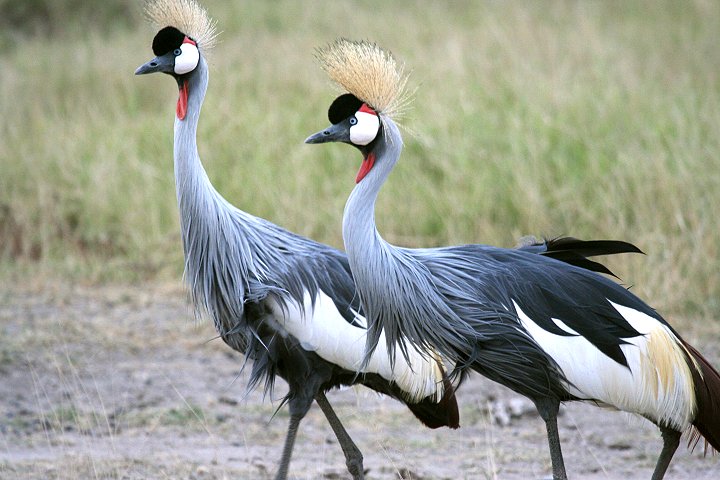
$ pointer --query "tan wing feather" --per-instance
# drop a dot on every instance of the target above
(368, 72)
(188, 17)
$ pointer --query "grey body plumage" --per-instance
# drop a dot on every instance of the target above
(548, 328)
(249, 275)
(435, 298)
(233, 258)
(467, 302)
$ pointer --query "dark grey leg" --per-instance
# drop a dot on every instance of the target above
(548, 409)
(289, 443)
(671, 440)
(353, 455)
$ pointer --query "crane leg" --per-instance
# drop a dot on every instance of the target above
(671, 440)
(298, 408)
(353, 455)
(287, 450)
(548, 409)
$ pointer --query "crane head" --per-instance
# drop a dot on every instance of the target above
(184, 27)
(376, 91)
(176, 54)
(353, 122)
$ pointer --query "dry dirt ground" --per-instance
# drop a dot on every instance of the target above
(122, 383)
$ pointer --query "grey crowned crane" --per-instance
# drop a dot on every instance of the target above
(284, 301)
(548, 330)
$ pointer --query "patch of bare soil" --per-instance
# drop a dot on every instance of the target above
(122, 383)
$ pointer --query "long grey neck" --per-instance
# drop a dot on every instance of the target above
(197, 198)
(204, 215)
(387, 279)
(192, 184)
(396, 289)
(359, 231)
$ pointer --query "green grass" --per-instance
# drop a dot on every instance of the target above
(595, 119)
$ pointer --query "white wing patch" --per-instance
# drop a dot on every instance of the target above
(658, 385)
(324, 331)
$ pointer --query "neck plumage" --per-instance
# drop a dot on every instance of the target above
(192, 184)
(372, 259)
(395, 287)
(204, 218)
(359, 231)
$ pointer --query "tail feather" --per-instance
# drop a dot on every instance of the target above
(576, 252)
(450, 403)
(442, 414)
(591, 248)
(707, 397)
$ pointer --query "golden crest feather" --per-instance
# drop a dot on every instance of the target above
(188, 17)
(368, 72)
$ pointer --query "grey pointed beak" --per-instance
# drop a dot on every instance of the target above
(334, 133)
(164, 64)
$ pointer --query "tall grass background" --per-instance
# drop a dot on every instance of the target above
(591, 119)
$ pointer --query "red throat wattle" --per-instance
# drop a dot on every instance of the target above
(367, 164)
(181, 109)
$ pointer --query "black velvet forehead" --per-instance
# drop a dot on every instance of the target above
(343, 106)
(167, 40)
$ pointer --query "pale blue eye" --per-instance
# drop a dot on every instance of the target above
(177, 52)
(353, 120)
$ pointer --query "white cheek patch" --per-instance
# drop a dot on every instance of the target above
(366, 128)
(188, 59)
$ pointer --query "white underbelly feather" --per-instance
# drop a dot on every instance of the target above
(322, 329)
